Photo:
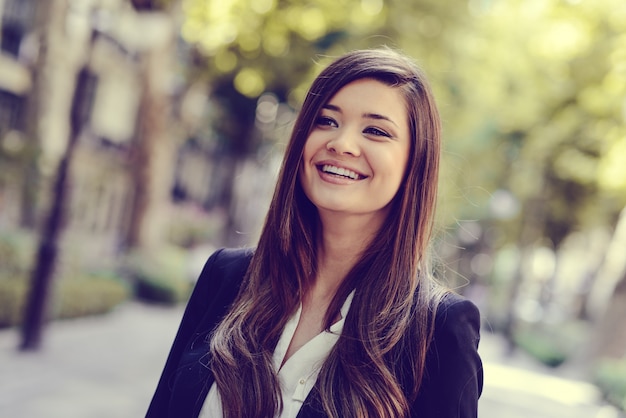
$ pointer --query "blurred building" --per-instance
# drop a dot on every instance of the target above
(15, 77)
(114, 51)
(42, 54)
(16, 22)
(145, 149)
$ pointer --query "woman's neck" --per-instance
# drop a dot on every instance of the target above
(343, 239)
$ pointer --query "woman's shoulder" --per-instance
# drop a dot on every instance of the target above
(227, 263)
(456, 336)
(222, 274)
(452, 302)
(231, 257)
(455, 313)
(453, 377)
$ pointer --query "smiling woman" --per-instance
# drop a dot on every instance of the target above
(336, 313)
(356, 155)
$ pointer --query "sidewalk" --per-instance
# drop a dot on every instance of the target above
(107, 367)
(519, 387)
(100, 367)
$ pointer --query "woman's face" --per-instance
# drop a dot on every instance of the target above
(356, 155)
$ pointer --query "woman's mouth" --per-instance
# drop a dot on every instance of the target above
(340, 172)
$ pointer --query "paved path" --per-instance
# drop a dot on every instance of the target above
(107, 367)
(100, 367)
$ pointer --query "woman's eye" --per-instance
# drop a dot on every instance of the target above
(326, 121)
(377, 132)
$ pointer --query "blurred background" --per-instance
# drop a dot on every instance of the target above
(138, 136)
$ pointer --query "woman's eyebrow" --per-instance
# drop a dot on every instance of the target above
(332, 107)
(375, 116)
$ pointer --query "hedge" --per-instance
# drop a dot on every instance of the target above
(72, 298)
(160, 276)
(610, 377)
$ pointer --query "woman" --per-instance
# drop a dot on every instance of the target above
(335, 314)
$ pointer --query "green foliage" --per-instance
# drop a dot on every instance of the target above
(534, 88)
(250, 42)
(89, 296)
(16, 252)
(77, 297)
(17, 249)
(551, 345)
(160, 290)
(538, 92)
(12, 300)
(159, 276)
(190, 227)
(610, 376)
(76, 292)
(545, 348)
(276, 45)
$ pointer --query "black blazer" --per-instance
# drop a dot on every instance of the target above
(451, 386)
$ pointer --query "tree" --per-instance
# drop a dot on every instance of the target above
(540, 98)
(609, 297)
(42, 275)
(41, 280)
(531, 95)
(245, 48)
(153, 150)
(30, 173)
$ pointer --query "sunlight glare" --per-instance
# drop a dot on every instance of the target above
(249, 82)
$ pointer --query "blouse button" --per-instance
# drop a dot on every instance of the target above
(302, 381)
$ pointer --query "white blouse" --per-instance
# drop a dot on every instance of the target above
(299, 373)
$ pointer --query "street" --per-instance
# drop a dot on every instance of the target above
(108, 366)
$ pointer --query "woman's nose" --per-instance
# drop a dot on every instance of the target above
(344, 142)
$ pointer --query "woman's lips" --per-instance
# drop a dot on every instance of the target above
(341, 172)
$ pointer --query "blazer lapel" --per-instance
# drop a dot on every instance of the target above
(193, 380)
(312, 406)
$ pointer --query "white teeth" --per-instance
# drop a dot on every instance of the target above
(340, 171)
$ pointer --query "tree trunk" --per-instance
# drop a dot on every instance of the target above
(30, 175)
(530, 231)
(611, 271)
(610, 335)
(237, 127)
(154, 155)
(607, 302)
(41, 280)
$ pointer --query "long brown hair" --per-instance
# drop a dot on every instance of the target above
(392, 309)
